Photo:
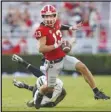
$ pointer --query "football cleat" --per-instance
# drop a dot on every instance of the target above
(30, 103)
(101, 95)
(18, 84)
(17, 59)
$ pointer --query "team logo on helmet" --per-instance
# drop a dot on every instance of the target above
(48, 10)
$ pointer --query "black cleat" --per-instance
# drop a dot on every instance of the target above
(101, 95)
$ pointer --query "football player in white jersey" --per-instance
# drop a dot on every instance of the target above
(49, 99)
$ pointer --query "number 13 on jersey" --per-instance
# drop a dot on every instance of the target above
(58, 33)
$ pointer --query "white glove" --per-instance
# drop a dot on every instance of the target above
(76, 27)
(56, 45)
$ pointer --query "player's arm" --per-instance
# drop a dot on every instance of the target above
(76, 27)
(47, 48)
(41, 36)
(43, 47)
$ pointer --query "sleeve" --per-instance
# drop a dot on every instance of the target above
(40, 33)
(41, 81)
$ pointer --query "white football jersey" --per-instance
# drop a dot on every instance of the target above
(57, 89)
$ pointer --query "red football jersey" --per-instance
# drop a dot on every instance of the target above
(52, 35)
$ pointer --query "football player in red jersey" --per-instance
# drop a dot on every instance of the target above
(50, 38)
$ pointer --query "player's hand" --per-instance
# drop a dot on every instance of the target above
(18, 83)
(77, 26)
(56, 45)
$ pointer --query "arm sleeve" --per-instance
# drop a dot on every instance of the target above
(40, 33)
(64, 27)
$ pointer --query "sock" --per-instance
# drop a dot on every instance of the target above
(95, 90)
(25, 64)
(31, 88)
(28, 87)
(36, 72)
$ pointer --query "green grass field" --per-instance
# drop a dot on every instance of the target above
(79, 95)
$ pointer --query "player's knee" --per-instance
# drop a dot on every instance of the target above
(81, 67)
(50, 89)
(44, 89)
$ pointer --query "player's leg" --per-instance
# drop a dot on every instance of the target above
(75, 64)
(60, 97)
(51, 74)
(36, 72)
(57, 101)
(31, 102)
(44, 89)
(51, 81)
(90, 80)
(39, 83)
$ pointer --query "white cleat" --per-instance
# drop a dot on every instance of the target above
(18, 84)
(30, 103)
(17, 58)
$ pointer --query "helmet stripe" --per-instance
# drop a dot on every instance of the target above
(48, 8)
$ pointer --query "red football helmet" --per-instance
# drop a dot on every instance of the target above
(49, 15)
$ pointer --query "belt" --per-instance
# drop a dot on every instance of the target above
(56, 61)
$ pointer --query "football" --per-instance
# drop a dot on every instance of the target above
(66, 46)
